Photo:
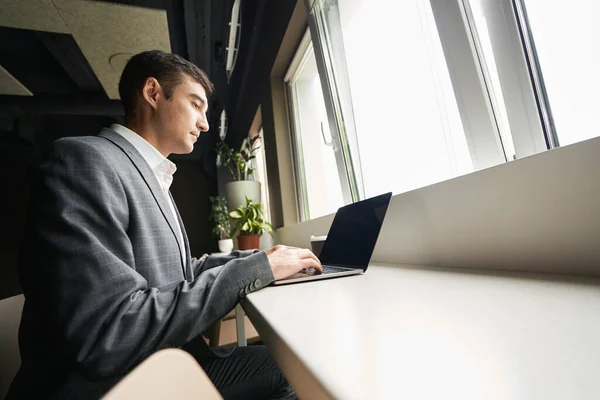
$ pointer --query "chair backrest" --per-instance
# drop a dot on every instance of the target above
(10, 359)
(167, 374)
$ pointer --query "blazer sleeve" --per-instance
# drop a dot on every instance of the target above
(80, 272)
(200, 265)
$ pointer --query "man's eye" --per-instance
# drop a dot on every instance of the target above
(196, 105)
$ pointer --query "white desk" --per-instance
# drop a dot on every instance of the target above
(407, 333)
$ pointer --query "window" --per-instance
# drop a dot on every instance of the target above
(394, 95)
(394, 99)
(317, 176)
(407, 121)
(542, 69)
(565, 36)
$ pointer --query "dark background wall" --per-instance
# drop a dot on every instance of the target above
(12, 216)
(191, 189)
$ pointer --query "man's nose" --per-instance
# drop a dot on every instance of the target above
(202, 125)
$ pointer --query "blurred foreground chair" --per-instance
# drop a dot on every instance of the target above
(10, 358)
(167, 374)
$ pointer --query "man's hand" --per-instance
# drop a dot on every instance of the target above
(286, 261)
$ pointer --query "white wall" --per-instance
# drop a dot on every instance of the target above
(536, 214)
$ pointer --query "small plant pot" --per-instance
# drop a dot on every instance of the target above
(248, 242)
(226, 245)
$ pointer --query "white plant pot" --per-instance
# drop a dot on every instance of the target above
(237, 191)
(226, 245)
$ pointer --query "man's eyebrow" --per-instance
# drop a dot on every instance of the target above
(200, 99)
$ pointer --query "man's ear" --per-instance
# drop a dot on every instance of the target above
(151, 92)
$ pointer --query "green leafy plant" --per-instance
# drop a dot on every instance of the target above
(238, 162)
(219, 216)
(250, 219)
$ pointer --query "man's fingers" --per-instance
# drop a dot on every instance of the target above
(309, 254)
(306, 263)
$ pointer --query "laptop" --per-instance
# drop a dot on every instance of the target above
(350, 241)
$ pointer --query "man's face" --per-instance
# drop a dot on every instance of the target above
(182, 118)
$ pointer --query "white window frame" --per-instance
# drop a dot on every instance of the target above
(300, 58)
(335, 83)
(509, 35)
(468, 81)
(298, 61)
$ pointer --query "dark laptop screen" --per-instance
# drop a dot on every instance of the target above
(353, 233)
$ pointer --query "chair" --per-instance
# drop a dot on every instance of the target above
(10, 359)
(167, 374)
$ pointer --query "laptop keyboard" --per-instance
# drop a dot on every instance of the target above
(326, 270)
(331, 270)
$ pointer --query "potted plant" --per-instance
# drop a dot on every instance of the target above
(251, 224)
(239, 164)
(219, 217)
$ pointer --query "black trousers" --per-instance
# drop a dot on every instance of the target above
(248, 373)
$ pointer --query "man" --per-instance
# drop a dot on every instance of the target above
(105, 265)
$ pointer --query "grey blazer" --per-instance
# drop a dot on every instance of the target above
(103, 279)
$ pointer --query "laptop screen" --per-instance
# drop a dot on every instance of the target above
(353, 233)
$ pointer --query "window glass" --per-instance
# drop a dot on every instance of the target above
(316, 170)
(566, 35)
(407, 120)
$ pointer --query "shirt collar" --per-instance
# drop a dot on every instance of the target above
(153, 157)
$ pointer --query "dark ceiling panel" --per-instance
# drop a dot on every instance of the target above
(198, 22)
(252, 12)
(60, 105)
(264, 31)
(28, 60)
(67, 53)
(219, 21)
(175, 19)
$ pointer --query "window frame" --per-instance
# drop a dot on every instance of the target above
(335, 84)
(474, 104)
(300, 57)
(518, 71)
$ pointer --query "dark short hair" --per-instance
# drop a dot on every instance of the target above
(168, 70)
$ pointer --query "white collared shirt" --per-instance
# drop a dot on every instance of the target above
(162, 167)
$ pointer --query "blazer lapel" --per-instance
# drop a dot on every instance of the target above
(148, 176)
(188, 268)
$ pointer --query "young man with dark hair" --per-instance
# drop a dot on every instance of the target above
(105, 265)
